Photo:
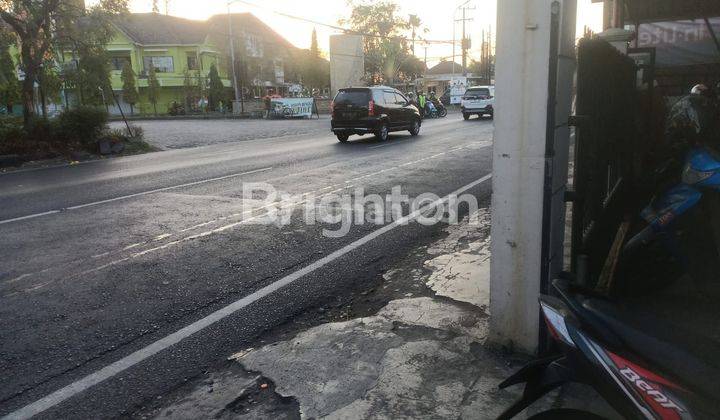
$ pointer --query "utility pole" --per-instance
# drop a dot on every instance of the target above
(465, 43)
(231, 39)
(465, 40)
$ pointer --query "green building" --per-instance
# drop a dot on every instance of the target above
(180, 48)
(182, 51)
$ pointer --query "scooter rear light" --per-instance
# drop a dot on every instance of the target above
(371, 108)
(555, 320)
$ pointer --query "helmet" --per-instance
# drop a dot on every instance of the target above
(700, 90)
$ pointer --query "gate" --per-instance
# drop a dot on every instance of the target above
(606, 144)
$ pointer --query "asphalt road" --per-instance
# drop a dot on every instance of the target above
(121, 279)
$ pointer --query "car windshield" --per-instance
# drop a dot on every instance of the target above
(352, 97)
(478, 92)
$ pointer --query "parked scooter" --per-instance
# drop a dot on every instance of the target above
(701, 174)
(630, 361)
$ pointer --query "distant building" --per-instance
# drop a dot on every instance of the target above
(175, 47)
(172, 45)
(443, 75)
(447, 79)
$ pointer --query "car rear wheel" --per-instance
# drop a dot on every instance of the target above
(343, 137)
(415, 128)
(382, 132)
(466, 116)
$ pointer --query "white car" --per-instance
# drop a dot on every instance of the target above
(478, 100)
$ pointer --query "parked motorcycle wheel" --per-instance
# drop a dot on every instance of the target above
(442, 113)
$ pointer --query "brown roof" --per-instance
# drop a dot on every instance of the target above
(158, 29)
(154, 28)
(445, 67)
(249, 23)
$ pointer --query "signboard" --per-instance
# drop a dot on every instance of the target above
(292, 107)
(681, 43)
(457, 87)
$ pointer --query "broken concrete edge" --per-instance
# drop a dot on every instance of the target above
(411, 357)
(316, 367)
(346, 369)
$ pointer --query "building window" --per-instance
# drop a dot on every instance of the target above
(118, 62)
(162, 64)
(192, 62)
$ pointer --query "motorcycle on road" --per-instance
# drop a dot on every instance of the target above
(435, 109)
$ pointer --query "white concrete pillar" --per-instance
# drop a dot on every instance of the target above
(519, 162)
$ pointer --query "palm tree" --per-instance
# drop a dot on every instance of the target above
(414, 22)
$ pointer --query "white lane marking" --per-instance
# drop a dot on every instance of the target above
(385, 145)
(124, 197)
(143, 354)
(30, 216)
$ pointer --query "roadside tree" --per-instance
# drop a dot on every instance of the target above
(129, 88)
(216, 90)
(45, 28)
(9, 85)
(153, 89)
(190, 89)
(388, 56)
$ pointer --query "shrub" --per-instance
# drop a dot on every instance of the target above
(137, 132)
(84, 125)
(11, 134)
(42, 130)
(10, 129)
(121, 134)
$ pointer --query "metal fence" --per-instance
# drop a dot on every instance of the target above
(607, 142)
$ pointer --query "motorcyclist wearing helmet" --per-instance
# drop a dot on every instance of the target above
(693, 121)
(411, 98)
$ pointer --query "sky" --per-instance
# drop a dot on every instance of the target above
(436, 15)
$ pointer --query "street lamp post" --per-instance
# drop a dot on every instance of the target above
(231, 39)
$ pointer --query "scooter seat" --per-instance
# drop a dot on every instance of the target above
(689, 357)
